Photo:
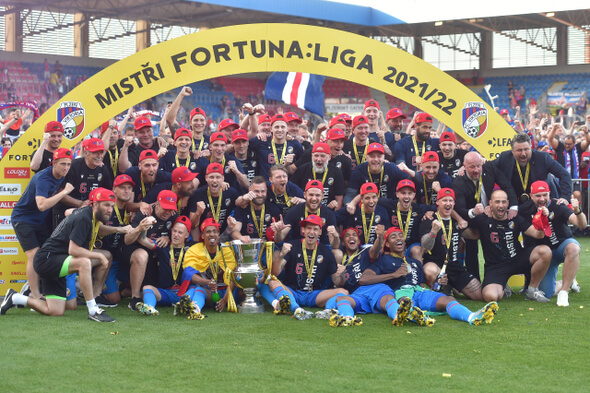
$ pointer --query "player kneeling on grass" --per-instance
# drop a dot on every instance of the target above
(171, 276)
(70, 250)
(504, 254)
(209, 267)
(377, 298)
(405, 276)
(554, 219)
(307, 265)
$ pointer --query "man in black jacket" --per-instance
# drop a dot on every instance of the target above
(532, 166)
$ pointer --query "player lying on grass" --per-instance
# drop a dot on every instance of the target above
(405, 276)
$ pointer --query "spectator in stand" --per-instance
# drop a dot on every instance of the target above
(13, 123)
(68, 82)
(6, 143)
(569, 153)
(46, 73)
(4, 78)
(53, 79)
(57, 67)
(12, 92)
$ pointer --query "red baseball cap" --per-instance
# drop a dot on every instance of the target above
(148, 154)
(122, 179)
(167, 200)
(405, 183)
(350, 229)
(198, 111)
(218, 136)
(389, 232)
(504, 112)
(337, 120)
(183, 132)
(375, 147)
(104, 126)
(264, 119)
(184, 220)
(334, 134)
(346, 117)
(423, 117)
(94, 144)
(292, 116)
(142, 122)
(313, 220)
(101, 194)
(181, 174)
(371, 103)
(539, 186)
(52, 126)
(314, 184)
(321, 147)
(207, 223)
(223, 124)
(430, 156)
(445, 192)
(62, 152)
(392, 230)
(214, 167)
(448, 136)
(239, 135)
(367, 188)
(360, 119)
(394, 113)
(278, 117)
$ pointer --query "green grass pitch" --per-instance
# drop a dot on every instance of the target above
(529, 347)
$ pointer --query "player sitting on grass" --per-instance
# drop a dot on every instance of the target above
(377, 298)
(405, 276)
(207, 265)
(307, 263)
(171, 275)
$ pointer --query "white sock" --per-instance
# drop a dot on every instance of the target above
(197, 308)
(274, 303)
(92, 307)
(19, 300)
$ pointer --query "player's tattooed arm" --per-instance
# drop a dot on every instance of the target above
(429, 238)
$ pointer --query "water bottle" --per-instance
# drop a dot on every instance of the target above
(437, 286)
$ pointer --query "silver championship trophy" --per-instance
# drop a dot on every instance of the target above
(248, 272)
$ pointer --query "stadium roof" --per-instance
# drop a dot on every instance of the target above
(360, 19)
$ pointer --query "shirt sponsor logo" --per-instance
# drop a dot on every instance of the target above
(10, 189)
(17, 173)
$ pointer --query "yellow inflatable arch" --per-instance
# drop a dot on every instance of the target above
(237, 50)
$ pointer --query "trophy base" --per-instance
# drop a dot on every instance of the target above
(257, 309)
(251, 305)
